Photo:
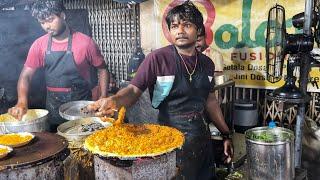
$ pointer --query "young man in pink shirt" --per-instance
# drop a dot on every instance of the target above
(68, 57)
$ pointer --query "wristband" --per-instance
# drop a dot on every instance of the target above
(226, 136)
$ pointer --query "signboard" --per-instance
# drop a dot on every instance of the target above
(237, 29)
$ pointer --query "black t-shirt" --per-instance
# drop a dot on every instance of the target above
(157, 72)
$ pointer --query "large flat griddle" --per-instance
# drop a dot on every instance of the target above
(44, 147)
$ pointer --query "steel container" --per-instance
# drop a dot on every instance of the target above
(39, 123)
(68, 130)
(270, 153)
(245, 115)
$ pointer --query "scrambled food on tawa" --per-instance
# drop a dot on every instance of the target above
(15, 139)
(129, 140)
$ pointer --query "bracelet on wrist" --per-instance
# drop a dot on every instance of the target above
(226, 136)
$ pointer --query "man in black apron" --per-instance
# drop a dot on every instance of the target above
(64, 80)
(180, 83)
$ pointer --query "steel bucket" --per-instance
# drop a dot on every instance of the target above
(37, 123)
(270, 153)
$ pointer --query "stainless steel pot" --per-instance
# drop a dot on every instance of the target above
(34, 121)
(72, 130)
(245, 113)
(270, 153)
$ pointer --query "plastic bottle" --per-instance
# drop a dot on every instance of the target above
(272, 124)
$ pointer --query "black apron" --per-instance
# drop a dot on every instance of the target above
(64, 82)
(183, 109)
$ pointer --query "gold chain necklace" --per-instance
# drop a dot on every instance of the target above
(185, 65)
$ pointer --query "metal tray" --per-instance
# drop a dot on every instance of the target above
(72, 110)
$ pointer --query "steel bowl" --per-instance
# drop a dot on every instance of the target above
(70, 129)
(72, 110)
(270, 153)
(36, 120)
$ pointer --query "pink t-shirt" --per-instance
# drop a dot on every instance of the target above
(85, 51)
